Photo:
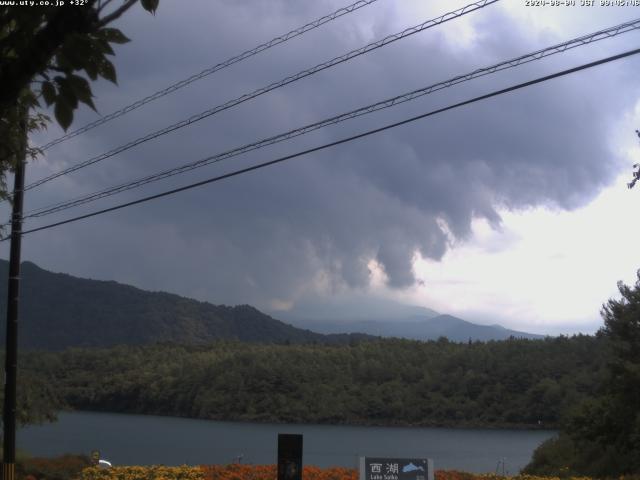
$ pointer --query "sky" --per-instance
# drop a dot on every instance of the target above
(513, 210)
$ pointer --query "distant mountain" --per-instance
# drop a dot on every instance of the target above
(59, 311)
(354, 307)
(417, 327)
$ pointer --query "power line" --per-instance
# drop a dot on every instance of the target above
(338, 142)
(537, 55)
(290, 79)
(208, 71)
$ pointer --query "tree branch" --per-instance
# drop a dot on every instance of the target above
(103, 5)
(16, 73)
(116, 13)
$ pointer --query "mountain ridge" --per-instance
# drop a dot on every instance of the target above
(59, 310)
(417, 328)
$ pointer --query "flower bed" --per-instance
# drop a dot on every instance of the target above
(155, 472)
(58, 468)
(267, 472)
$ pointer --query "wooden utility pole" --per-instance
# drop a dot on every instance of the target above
(11, 349)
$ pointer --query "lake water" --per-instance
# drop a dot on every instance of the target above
(144, 440)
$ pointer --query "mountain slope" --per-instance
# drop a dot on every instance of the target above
(417, 328)
(59, 311)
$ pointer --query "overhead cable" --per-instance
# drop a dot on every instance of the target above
(337, 142)
(514, 62)
(261, 91)
(210, 70)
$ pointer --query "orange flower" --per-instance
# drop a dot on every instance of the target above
(269, 472)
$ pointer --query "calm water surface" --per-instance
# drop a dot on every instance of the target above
(144, 439)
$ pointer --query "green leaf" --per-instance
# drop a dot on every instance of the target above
(84, 48)
(82, 90)
(48, 93)
(63, 113)
(150, 5)
(67, 92)
(113, 35)
(74, 52)
(63, 62)
(91, 67)
(107, 71)
(29, 99)
(103, 46)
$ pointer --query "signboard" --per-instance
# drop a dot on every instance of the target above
(378, 468)
(289, 456)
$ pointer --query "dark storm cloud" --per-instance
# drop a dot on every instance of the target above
(316, 223)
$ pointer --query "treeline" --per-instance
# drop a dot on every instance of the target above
(512, 383)
(37, 400)
(601, 436)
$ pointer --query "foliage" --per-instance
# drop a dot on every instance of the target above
(47, 54)
(554, 457)
(602, 436)
(154, 472)
(455, 475)
(65, 467)
(387, 382)
(612, 420)
(268, 472)
(636, 173)
(37, 399)
(15, 125)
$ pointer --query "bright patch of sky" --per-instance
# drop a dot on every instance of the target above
(543, 270)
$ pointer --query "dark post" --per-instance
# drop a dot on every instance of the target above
(11, 349)
(289, 456)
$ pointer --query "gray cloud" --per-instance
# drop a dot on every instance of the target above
(313, 225)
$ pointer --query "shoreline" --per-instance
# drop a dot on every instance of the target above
(466, 426)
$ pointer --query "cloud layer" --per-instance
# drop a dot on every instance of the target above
(313, 226)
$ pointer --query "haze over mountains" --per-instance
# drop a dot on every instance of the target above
(59, 311)
(388, 318)
(417, 327)
(416, 323)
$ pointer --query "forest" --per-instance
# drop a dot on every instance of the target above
(514, 383)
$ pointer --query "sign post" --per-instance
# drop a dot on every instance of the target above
(289, 456)
(378, 468)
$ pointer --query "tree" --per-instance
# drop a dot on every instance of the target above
(38, 399)
(44, 52)
(47, 53)
(615, 421)
(636, 172)
(602, 437)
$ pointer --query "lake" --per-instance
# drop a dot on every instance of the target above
(144, 439)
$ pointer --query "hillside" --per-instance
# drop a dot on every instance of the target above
(59, 311)
(417, 328)
(511, 383)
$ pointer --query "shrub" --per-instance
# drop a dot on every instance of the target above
(65, 467)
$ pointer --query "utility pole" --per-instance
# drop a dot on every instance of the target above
(11, 349)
